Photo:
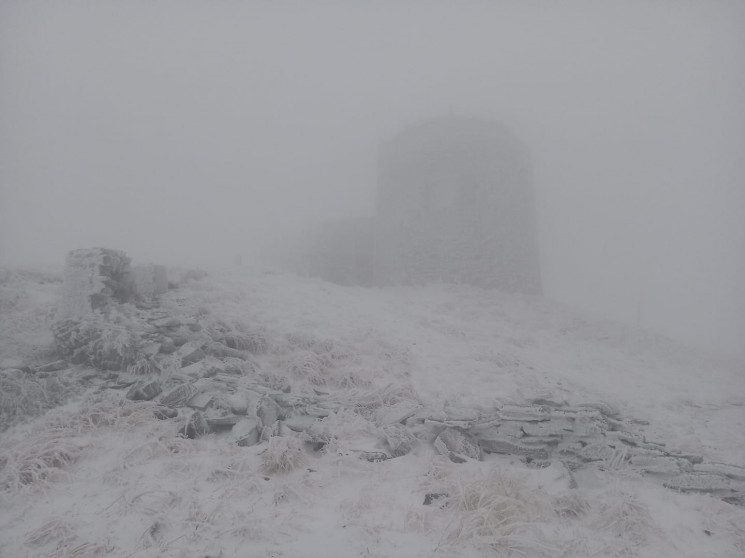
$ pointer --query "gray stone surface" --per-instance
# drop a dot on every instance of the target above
(268, 411)
(144, 391)
(196, 426)
(247, 432)
(178, 396)
(457, 446)
(399, 439)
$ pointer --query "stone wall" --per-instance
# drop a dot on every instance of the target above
(94, 277)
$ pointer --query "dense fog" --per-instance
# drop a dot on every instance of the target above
(190, 132)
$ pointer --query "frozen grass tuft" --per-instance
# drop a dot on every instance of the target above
(308, 366)
(282, 456)
(36, 461)
(502, 513)
(105, 410)
(24, 395)
(571, 505)
(144, 366)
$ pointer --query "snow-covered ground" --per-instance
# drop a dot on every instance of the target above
(104, 478)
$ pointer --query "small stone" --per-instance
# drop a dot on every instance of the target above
(496, 444)
(605, 408)
(221, 424)
(268, 411)
(659, 465)
(399, 439)
(457, 445)
(190, 354)
(167, 346)
(195, 370)
(430, 497)
(524, 413)
(144, 391)
(179, 395)
(167, 321)
(163, 413)
(699, 482)
(200, 401)
(247, 432)
(238, 404)
(397, 413)
(735, 472)
(300, 423)
(374, 456)
(461, 414)
(270, 431)
(179, 339)
(196, 426)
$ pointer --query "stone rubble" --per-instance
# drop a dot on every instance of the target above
(208, 378)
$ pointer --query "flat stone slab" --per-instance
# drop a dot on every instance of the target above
(178, 396)
(397, 413)
(144, 391)
(457, 445)
(505, 446)
(399, 439)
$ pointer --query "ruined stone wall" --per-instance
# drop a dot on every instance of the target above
(93, 278)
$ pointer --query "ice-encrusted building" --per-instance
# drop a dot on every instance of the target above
(455, 204)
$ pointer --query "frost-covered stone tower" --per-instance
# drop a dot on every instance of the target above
(455, 204)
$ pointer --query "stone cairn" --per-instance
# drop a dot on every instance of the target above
(206, 376)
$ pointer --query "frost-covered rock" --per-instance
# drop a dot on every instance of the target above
(190, 353)
(396, 413)
(162, 412)
(268, 411)
(495, 443)
(457, 446)
(200, 401)
(247, 432)
(178, 396)
(144, 391)
(196, 426)
(399, 439)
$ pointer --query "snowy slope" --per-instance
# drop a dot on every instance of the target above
(112, 481)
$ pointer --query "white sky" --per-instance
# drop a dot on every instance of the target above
(185, 132)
